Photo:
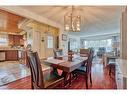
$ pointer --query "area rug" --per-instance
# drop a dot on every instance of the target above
(12, 71)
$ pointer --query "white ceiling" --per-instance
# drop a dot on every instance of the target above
(94, 19)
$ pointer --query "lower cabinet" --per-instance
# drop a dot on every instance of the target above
(2, 55)
(11, 55)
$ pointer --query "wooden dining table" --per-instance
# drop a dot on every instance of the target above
(66, 66)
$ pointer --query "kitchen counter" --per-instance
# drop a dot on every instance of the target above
(4, 49)
(10, 54)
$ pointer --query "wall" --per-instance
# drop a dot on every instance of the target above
(124, 47)
(43, 29)
(124, 35)
(39, 33)
(30, 15)
(63, 44)
(77, 39)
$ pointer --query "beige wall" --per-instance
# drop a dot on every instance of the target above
(124, 36)
(124, 47)
(63, 44)
(30, 15)
(41, 31)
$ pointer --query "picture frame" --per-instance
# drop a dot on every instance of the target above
(64, 37)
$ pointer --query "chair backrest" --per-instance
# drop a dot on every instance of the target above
(58, 52)
(26, 57)
(89, 62)
(36, 71)
(84, 52)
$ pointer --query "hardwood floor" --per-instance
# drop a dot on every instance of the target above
(100, 78)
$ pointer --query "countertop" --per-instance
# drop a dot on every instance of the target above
(9, 48)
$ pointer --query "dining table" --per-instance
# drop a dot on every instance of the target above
(66, 66)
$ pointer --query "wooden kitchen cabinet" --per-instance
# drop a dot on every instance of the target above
(11, 55)
(15, 40)
(11, 40)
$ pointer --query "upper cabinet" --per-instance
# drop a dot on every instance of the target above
(15, 40)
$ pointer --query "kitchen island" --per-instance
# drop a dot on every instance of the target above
(10, 54)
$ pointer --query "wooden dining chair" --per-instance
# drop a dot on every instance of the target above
(58, 52)
(84, 52)
(26, 52)
(86, 69)
(38, 80)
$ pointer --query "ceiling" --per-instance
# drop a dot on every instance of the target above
(94, 19)
(9, 22)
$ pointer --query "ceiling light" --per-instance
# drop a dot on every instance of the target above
(72, 21)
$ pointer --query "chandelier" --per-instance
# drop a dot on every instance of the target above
(72, 21)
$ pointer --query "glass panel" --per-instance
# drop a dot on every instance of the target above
(3, 39)
(49, 42)
(73, 44)
(99, 43)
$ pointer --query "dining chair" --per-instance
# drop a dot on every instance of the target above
(38, 80)
(26, 52)
(111, 66)
(58, 52)
(84, 52)
(111, 69)
(86, 69)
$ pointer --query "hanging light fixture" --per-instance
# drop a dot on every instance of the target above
(72, 21)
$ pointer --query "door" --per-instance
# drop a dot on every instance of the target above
(37, 42)
(48, 43)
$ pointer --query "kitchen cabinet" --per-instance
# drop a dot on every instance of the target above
(2, 55)
(15, 40)
(11, 55)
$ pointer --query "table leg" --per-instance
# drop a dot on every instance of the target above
(55, 71)
(66, 80)
(70, 79)
(64, 74)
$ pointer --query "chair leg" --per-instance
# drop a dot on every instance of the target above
(70, 79)
(109, 70)
(86, 81)
(32, 87)
(62, 85)
(74, 75)
(64, 74)
(90, 79)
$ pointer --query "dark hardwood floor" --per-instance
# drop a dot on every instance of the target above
(100, 78)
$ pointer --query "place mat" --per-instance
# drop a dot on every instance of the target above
(54, 61)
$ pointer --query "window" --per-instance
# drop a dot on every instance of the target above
(99, 43)
(49, 41)
(3, 39)
(73, 44)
